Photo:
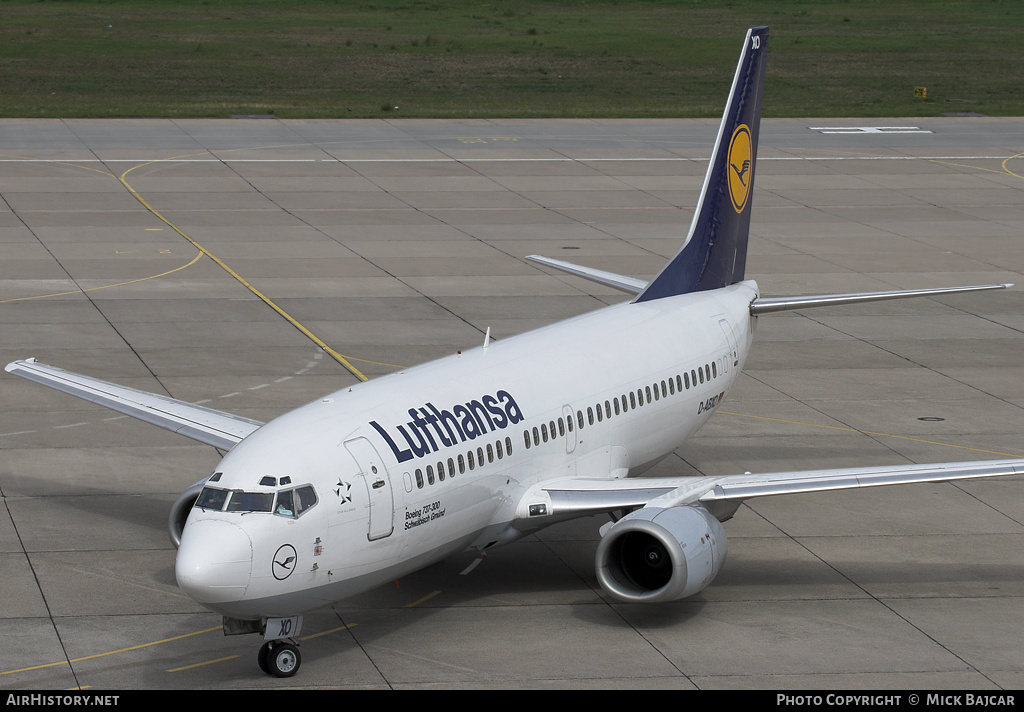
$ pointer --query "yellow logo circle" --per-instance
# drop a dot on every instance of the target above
(740, 167)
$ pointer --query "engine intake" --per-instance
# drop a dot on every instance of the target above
(660, 555)
(180, 511)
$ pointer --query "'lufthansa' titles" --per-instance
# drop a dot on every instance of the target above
(463, 422)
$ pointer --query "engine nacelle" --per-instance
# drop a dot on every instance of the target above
(661, 555)
(180, 511)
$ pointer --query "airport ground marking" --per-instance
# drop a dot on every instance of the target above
(241, 280)
(328, 632)
(112, 652)
(208, 662)
(422, 600)
(106, 286)
(1010, 159)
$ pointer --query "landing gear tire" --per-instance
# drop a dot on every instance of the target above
(279, 659)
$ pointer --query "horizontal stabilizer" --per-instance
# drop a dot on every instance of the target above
(213, 427)
(767, 305)
(618, 281)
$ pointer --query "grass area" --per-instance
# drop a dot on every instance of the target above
(497, 58)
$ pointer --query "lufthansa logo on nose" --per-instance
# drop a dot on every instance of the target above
(284, 562)
(740, 167)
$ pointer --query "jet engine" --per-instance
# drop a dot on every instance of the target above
(659, 555)
(180, 511)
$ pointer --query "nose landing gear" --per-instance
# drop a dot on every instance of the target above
(279, 658)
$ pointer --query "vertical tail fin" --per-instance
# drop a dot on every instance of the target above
(715, 252)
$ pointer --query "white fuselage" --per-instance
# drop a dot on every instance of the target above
(635, 380)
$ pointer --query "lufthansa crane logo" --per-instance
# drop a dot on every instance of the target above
(740, 167)
(284, 562)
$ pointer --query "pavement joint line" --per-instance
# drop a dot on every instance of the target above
(868, 432)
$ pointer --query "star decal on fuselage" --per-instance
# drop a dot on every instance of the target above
(344, 492)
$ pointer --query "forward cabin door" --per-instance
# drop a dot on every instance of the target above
(378, 487)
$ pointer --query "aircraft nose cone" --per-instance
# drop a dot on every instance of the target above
(214, 561)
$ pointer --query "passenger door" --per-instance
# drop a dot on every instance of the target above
(379, 494)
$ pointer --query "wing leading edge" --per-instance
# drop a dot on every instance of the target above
(213, 427)
(579, 497)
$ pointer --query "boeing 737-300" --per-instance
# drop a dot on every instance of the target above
(481, 448)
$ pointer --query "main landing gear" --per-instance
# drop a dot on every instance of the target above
(279, 658)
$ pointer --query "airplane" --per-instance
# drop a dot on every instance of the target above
(486, 446)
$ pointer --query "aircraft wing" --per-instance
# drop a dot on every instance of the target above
(213, 427)
(577, 497)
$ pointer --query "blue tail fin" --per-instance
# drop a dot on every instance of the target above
(715, 252)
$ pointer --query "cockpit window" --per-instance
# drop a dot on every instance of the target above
(292, 503)
(251, 502)
(211, 498)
